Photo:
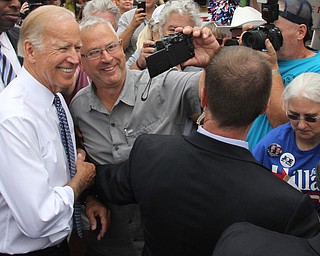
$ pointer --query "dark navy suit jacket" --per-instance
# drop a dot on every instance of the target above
(245, 239)
(190, 189)
(13, 35)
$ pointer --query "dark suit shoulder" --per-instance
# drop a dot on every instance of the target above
(245, 239)
(13, 35)
(156, 139)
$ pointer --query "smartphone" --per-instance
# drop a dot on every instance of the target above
(142, 4)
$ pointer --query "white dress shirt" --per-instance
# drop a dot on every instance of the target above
(35, 205)
(239, 143)
(8, 50)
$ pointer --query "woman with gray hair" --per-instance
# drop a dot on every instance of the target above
(172, 14)
(292, 150)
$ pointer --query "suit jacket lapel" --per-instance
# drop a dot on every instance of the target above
(13, 35)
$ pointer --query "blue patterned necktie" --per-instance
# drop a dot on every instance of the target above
(6, 69)
(68, 146)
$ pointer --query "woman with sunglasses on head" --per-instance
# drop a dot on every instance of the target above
(292, 150)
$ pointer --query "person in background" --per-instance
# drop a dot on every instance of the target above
(291, 60)
(131, 24)
(216, 31)
(105, 9)
(9, 34)
(242, 16)
(170, 16)
(124, 5)
(149, 33)
(111, 113)
(41, 176)
(292, 150)
(191, 188)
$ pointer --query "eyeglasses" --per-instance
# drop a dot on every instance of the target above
(97, 53)
(309, 119)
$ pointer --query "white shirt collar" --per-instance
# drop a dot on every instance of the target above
(239, 143)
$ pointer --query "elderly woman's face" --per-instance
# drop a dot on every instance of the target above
(305, 111)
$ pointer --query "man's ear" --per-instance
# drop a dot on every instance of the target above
(29, 51)
(302, 31)
(203, 97)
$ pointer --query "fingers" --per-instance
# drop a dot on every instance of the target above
(81, 154)
(195, 31)
(105, 220)
(92, 220)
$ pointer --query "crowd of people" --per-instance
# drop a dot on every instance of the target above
(101, 158)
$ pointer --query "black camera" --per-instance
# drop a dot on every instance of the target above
(231, 41)
(170, 51)
(256, 37)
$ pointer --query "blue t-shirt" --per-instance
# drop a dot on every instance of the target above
(278, 152)
(289, 69)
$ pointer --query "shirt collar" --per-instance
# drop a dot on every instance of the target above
(239, 143)
(126, 96)
(43, 94)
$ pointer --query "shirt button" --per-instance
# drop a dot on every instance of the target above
(113, 124)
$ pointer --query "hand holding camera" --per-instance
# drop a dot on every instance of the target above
(170, 51)
(189, 46)
(147, 49)
(256, 37)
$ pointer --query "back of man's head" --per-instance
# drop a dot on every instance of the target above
(237, 85)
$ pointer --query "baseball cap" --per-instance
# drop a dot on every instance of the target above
(241, 16)
(299, 12)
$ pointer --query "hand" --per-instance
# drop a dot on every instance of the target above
(24, 8)
(146, 50)
(205, 45)
(270, 54)
(96, 209)
(86, 172)
(81, 155)
(138, 18)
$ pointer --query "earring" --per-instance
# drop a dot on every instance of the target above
(200, 118)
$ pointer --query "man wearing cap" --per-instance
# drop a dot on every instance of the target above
(291, 60)
(242, 16)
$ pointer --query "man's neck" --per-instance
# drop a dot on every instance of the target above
(303, 52)
(109, 96)
(228, 132)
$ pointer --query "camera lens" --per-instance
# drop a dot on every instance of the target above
(254, 39)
